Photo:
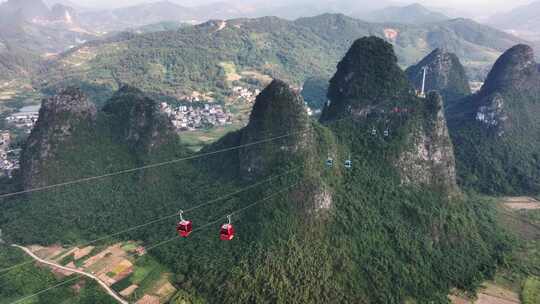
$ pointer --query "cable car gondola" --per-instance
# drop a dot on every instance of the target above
(184, 228)
(374, 131)
(227, 231)
(348, 162)
(329, 162)
(386, 133)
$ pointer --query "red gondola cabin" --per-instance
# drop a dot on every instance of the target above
(227, 232)
(184, 228)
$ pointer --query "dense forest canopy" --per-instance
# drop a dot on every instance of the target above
(365, 234)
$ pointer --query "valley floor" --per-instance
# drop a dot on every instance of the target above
(518, 282)
(123, 270)
(129, 272)
(72, 270)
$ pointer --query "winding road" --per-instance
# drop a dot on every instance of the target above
(111, 292)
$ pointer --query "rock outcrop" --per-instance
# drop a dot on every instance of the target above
(138, 121)
(59, 117)
(280, 114)
(516, 69)
(497, 130)
(430, 159)
(513, 80)
(368, 76)
(370, 87)
(279, 133)
(445, 74)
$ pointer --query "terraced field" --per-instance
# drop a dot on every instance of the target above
(123, 266)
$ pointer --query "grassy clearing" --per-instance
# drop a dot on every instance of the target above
(230, 71)
(196, 140)
(129, 247)
(531, 291)
(148, 275)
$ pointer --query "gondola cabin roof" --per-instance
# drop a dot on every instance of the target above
(184, 228)
(227, 232)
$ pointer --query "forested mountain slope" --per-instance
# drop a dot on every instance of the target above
(393, 227)
(213, 57)
(30, 31)
(444, 74)
(410, 14)
(497, 131)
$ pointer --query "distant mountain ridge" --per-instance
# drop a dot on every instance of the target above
(523, 21)
(251, 45)
(139, 15)
(29, 31)
(37, 12)
(410, 14)
(170, 10)
(27, 9)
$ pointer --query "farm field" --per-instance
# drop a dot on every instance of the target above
(124, 267)
(518, 281)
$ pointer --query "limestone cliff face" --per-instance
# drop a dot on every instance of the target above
(280, 114)
(516, 69)
(69, 125)
(367, 77)
(138, 120)
(445, 74)
(370, 87)
(59, 117)
(279, 133)
(430, 158)
(497, 131)
(511, 85)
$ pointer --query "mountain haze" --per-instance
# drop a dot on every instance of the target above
(523, 21)
(410, 14)
(30, 31)
(139, 15)
(26, 9)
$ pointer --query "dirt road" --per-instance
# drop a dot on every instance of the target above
(111, 292)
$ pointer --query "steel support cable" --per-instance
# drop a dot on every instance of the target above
(213, 201)
(170, 240)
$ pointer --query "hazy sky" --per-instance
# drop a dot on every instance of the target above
(479, 8)
(458, 4)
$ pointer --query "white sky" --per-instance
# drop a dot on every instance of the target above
(477, 7)
(461, 4)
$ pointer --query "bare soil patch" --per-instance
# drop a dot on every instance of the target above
(148, 299)
(81, 253)
(489, 294)
(459, 300)
(521, 203)
(128, 291)
(488, 299)
(493, 294)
